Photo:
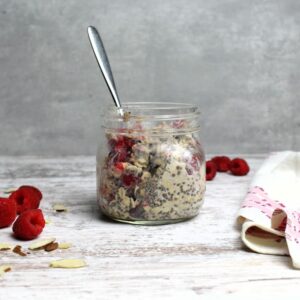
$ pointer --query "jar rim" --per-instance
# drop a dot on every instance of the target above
(161, 104)
(152, 118)
(155, 110)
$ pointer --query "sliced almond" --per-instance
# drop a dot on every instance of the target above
(48, 221)
(9, 191)
(68, 263)
(5, 246)
(64, 245)
(18, 250)
(51, 247)
(59, 208)
(4, 269)
(38, 245)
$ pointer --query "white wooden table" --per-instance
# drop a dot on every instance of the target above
(201, 257)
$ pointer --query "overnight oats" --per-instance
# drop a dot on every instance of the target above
(151, 166)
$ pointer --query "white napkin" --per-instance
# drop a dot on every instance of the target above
(270, 214)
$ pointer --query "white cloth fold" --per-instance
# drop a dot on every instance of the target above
(270, 213)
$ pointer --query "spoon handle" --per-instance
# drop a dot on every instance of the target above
(103, 62)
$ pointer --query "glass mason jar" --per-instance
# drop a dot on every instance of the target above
(150, 164)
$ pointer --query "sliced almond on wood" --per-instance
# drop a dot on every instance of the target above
(40, 244)
(68, 263)
(4, 269)
(5, 246)
(18, 250)
(9, 191)
(51, 247)
(64, 245)
(59, 208)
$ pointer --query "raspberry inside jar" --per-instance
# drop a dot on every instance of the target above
(152, 170)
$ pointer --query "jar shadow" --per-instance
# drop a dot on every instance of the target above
(95, 212)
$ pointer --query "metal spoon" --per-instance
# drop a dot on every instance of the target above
(103, 62)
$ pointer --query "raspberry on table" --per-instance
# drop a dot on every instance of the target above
(239, 167)
(211, 170)
(26, 197)
(29, 224)
(8, 212)
(222, 163)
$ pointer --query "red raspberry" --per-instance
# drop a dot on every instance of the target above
(239, 167)
(121, 148)
(29, 224)
(129, 180)
(119, 167)
(26, 197)
(8, 212)
(121, 156)
(129, 142)
(211, 170)
(193, 164)
(120, 144)
(222, 163)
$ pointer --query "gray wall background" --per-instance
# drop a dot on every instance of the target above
(240, 60)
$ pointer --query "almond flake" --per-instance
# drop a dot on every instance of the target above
(9, 191)
(18, 250)
(4, 246)
(64, 245)
(68, 263)
(41, 244)
(48, 221)
(59, 208)
(51, 247)
(4, 269)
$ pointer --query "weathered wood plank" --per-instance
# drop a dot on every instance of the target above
(203, 256)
